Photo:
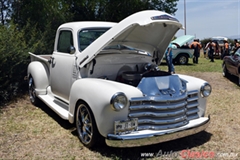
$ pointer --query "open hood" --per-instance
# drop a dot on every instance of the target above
(180, 41)
(150, 31)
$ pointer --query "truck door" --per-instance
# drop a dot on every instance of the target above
(62, 65)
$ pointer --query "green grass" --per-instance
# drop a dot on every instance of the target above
(204, 65)
(29, 132)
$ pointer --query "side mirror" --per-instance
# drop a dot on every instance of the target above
(72, 50)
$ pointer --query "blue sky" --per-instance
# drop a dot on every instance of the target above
(209, 18)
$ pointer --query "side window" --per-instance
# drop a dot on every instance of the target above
(65, 40)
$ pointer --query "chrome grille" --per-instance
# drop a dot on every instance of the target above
(192, 105)
(159, 114)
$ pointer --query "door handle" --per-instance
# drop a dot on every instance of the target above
(51, 60)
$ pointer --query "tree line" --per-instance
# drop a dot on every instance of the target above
(30, 25)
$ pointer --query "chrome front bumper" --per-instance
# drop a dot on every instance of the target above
(149, 137)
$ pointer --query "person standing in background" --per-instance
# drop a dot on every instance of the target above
(216, 47)
(236, 44)
(225, 49)
(196, 46)
(210, 46)
(168, 55)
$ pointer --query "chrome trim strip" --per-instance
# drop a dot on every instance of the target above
(149, 139)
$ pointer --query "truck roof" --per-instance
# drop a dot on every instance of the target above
(85, 24)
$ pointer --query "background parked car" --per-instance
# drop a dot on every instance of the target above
(220, 49)
(231, 65)
(181, 50)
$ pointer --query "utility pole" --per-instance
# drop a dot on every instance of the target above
(185, 24)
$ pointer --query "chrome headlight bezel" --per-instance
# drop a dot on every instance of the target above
(118, 101)
(206, 90)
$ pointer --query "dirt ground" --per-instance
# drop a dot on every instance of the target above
(29, 132)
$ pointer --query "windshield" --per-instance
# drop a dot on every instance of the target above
(87, 36)
(119, 47)
(123, 47)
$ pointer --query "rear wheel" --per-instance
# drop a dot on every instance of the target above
(32, 91)
(86, 126)
(182, 59)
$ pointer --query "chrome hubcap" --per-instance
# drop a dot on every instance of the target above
(183, 60)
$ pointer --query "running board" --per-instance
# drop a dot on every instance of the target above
(56, 105)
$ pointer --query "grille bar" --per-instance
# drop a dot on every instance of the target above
(191, 117)
(162, 121)
(162, 127)
(192, 111)
(159, 99)
(192, 106)
(152, 106)
(158, 114)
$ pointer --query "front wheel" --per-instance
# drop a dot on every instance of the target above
(32, 92)
(86, 127)
(182, 59)
(238, 80)
(225, 71)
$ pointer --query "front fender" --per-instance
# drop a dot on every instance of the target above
(97, 93)
(188, 52)
(40, 74)
(193, 82)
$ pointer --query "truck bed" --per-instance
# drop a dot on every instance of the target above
(42, 58)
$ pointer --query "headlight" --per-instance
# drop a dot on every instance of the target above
(206, 90)
(118, 101)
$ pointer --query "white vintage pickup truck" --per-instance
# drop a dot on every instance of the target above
(104, 77)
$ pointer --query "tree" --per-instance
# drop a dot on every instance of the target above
(46, 15)
(41, 12)
(116, 10)
(5, 11)
(168, 6)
